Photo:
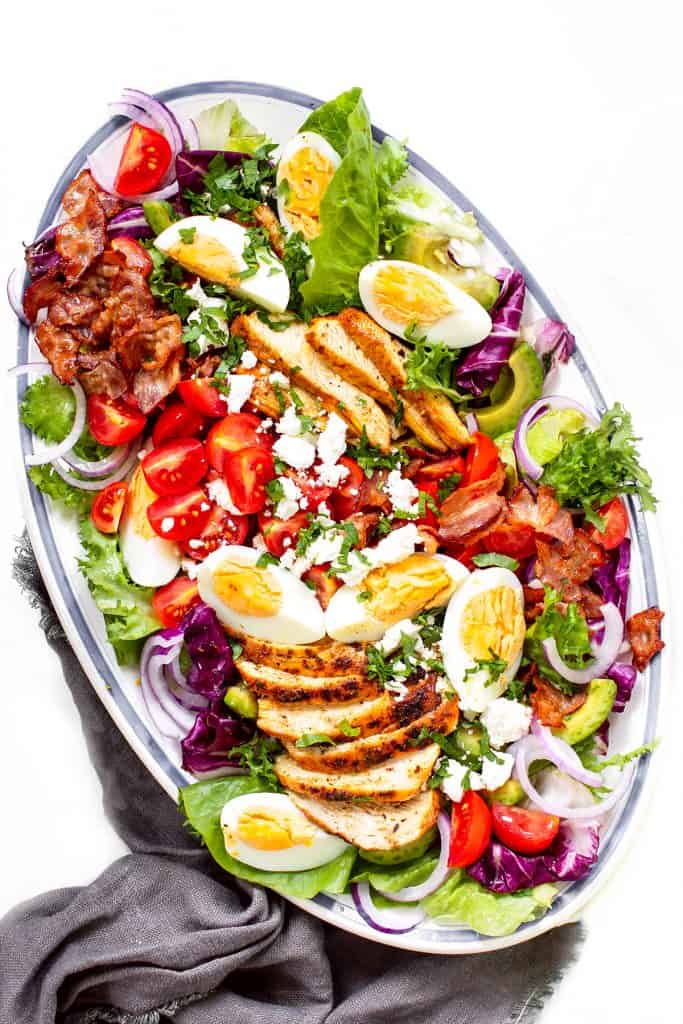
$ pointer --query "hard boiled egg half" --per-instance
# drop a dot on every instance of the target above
(484, 623)
(150, 560)
(306, 168)
(400, 295)
(214, 249)
(264, 601)
(267, 831)
(390, 593)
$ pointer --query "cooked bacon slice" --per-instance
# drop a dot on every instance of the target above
(84, 185)
(98, 280)
(469, 510)
(81, 239)
(70, 308)
(365, 523)
(372, 494)
(100, 374)
(543, 513)
(534, 599)
(60, 348)
(39, 294)
(549, 704)
(151, 386)
(560, 565)
(129, 302)
(151, 343)
(643, 631)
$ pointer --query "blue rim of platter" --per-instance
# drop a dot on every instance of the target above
(464, 940)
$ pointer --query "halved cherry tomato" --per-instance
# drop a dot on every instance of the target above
(246, 473)
(346, 498)
(465, 552)
(175, 467)
(470, 830)
(222, 528)
(202, 396)
(172, 602)
(440, 469)
(481, 459)
(515, 541)
(431, 489)
(325, 586)
(616, 524)
(108, 505)
(236, 430)
(112, 421)
(180, 516)
(135, 256)
(311, 489)
(146, 158)
(177, 421)
(522, 830)
(280, 534)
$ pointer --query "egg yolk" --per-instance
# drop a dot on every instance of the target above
(262, 830)
(246, 589)
(405, 296)
(140, 496)
(209, 258)
(307, 174)
(402, 590)
(493, 621)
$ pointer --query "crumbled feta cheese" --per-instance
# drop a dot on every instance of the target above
(398, 687)
(240, 388)
(220, 493)
(493, 774)
(288, 558)
(452, 782)
(265, 426)
(303, 502)
(288, 506)
(396, 546)
(331, 476)
(167, 524)
(248, 360)
(506, 721)
(332, 441)
(189, 567)
(297, 452)
(391, 640)
(197, 293)
(258, 544)
(289, 423)
(496, 773)
(278, 378)
(323, 509)
(402, 492)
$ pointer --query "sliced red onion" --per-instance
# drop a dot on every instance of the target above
(530, 749)
(525, 460)
(413, 893)
(55, 451)
(14, 298)
(563, 756)
(154, 670)
(472, 423)
(188, 698)
(104, 175)
(161, 718)
(604, 653)
(134, 113)
(99, 484)
(161, 115)
(103, 467)
(191, 133)
(130, 222)
(387, 920)
(20, 368)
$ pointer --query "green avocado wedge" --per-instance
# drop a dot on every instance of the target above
(410, 851)
(600, 697)
(427, 246)
(523, 386)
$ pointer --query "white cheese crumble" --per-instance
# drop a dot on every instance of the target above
(289, 423)
(288, 506)
(403, 493)
(248, 360)
(391, 640)
(297, 452)
(506, 721)
(220, 493)
(167, 524)
(278, 378)
(332, 441)
(492, 776)
(264, 427)
(331, 476)
(241, 386)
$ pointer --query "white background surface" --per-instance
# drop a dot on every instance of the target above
(563, 124)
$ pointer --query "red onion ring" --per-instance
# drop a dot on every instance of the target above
(154, 670)
(159, 113)
(604, 654)
(16, 371)
(413, 893)
(188, 698)
(388, 920)
(133, 113)
(101, 468)
(563, 756)
(55, 451)
(161, 719)
(191, 133)
(525, 460)
(472, 423)
(14, 299)
(98, 485)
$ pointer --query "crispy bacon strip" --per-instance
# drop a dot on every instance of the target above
(365, 523)
(550, 705)
(60, 348)
(467, 511)
(84, 185)
(151, 386)
(129, 301)
(151, 343)
(81, 239)
(70, 308)
(643, 631)
(100, 374)
(39, 294)
(371, 493)
(543, 513)
(567, 567)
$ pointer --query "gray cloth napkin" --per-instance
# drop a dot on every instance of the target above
(164, 935)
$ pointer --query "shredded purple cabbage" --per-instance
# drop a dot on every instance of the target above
(41, 255)
(191, 166)
(211, 654)
(207, 746)
(554, 344)
(572, 855)
(612, 577)
(481, 366)
(625, 677)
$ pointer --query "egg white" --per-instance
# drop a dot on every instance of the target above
(300, 618)
(268, 287)
(320, 849)
(304, 140)
(150, 560)
(467, 325)
(477, 691)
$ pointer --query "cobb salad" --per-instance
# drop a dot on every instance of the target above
(372, 564)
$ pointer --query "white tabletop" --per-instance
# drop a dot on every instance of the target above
(562, 122)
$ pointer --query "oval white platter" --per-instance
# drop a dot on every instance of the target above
(279, 113)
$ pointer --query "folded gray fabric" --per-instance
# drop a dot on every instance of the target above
(163, 934)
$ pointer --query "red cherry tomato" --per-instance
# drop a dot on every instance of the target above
(522, 830)
(616, 524)
(222, 528)
(515, 541)
(180, 516)
(175, 467)
(481, 459)
(135, 256)
(312, 490)
(431, 489)
(280, 534)
(345, 499)
(112, 421)
(470, 830)
(146, 158)
(236, 430)
(172, 602)
(246, 473)
(108, 505)
(177, 421)
(202, 396)
(325, 586)
(441, 469)
(465, 552)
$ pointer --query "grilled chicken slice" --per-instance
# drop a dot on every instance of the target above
(288, 349)
(373, 826)
(381, 714)
(416, 419)
(326, 658)
(328, 337)
(319, 689)
(390, 782)
(265, 400)
(442, 416)
(359, 755)
(377, 345)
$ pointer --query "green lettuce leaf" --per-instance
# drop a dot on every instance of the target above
(202, 803)
(349, 217)
(127, 607)
(391, 878)
(461, 900)
(570, 630)
(391, 163)
(48, 409)
(332, 119)
(63, 494)
(224, 127)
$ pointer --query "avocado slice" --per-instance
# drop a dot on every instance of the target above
(409, 851)
(522, 383)
(159, 214)
(468, 738)
(509, 793)
(426, 245)
(242, 701)
(600, 697)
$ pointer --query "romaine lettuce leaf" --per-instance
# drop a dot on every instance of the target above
(463, 901)
(224, 127)
(391, 878)
(331, 119)
(202, 804)
(391, 163)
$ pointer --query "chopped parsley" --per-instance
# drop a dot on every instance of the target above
(241, 187)
(447, 485)
(315, 529)
(370, 458)
(312, 739)
(349, 730)
(275, 490)
(570, 630)
(307, 422)
(488, 558)
(266, 559)
(516, 690)
(279, 394)
(257, 756)
(493, 666)
(296, 259)
(187, 235)
(351, 539)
